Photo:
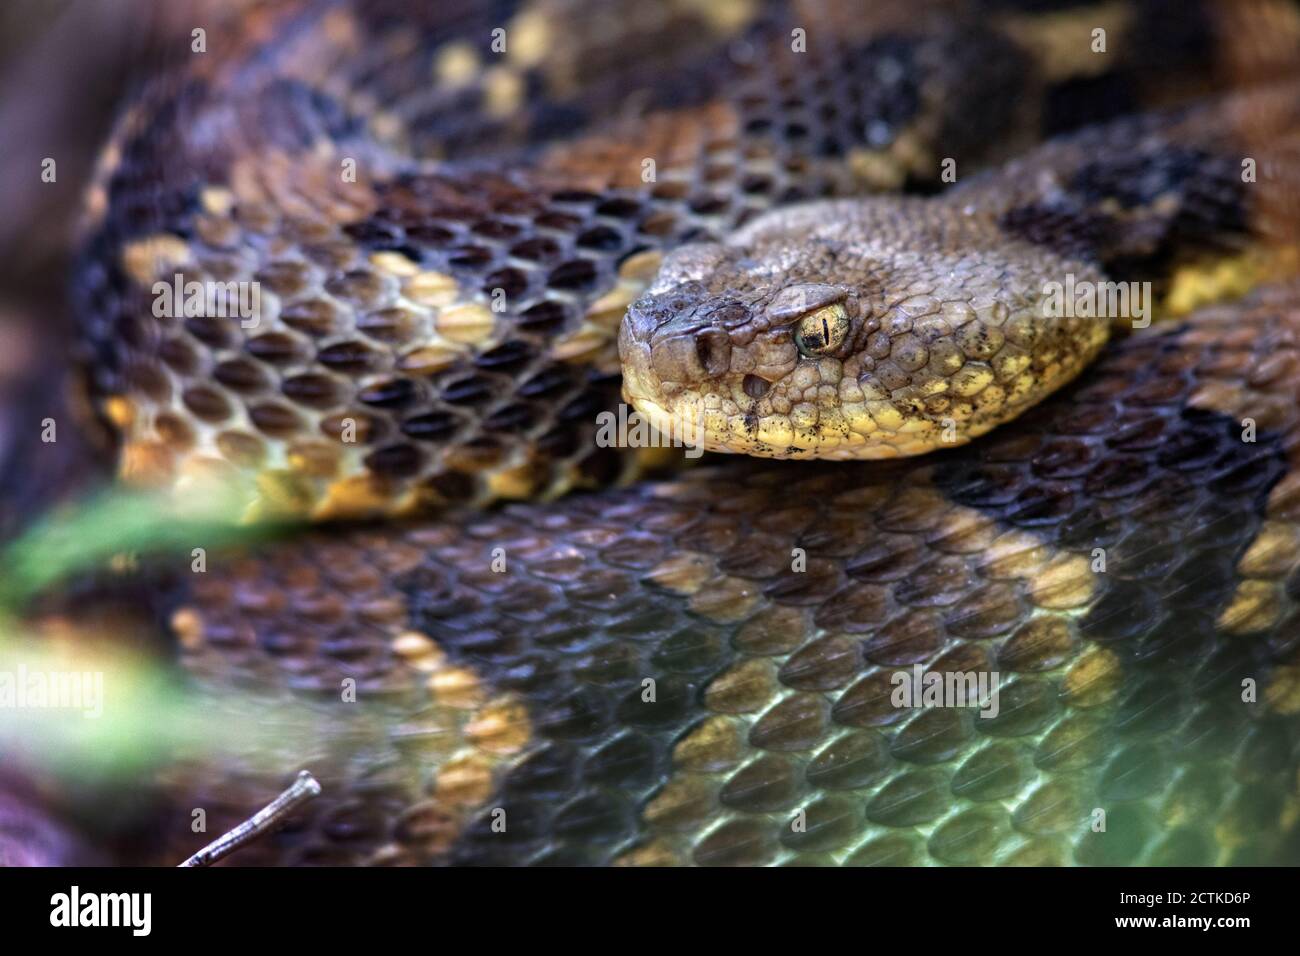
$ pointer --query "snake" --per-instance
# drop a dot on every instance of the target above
(824, 240)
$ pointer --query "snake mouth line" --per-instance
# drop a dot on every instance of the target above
(743, 433)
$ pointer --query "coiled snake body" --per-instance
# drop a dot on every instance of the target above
(702, 669)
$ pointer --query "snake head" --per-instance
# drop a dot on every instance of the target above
(852, 329)
(718, 329)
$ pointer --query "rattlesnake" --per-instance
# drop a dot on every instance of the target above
(447, 236)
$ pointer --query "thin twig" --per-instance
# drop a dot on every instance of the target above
(270, 816)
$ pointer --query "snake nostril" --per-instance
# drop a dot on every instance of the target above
(713, 349)
(754, 386)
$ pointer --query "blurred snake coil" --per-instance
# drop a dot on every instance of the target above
(474, 227)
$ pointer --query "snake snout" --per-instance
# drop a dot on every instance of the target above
(685, 345)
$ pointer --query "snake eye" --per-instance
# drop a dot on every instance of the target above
(821, 331)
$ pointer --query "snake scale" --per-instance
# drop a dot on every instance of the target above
(567, 653)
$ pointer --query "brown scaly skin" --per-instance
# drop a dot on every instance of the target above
(380, 379)
(522, 690)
